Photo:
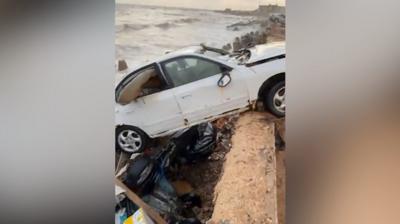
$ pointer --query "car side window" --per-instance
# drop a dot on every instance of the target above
(190, 69)
(153, 85)
(145, 82)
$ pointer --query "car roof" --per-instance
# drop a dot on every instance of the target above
(194, 50)
(191, 50)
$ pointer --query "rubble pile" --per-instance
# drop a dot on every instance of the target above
(246, 41)
(177, 175)
(204, 176)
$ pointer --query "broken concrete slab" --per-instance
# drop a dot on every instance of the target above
(246, 192)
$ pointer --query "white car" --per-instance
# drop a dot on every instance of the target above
(194, 85)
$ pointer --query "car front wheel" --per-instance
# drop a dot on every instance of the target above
(274, 99)
(130, 139)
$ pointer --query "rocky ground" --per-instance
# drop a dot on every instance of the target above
(271, 30)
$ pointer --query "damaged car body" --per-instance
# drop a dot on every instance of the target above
(195, 143)
(194, 85)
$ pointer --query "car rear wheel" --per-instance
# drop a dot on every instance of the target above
(274, 99)
(130, 139)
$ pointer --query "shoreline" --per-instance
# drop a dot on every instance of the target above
(271, 29)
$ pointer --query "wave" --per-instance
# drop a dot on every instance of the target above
(134, 27)
(173, 14)
(176, 22)
(165, 25)
(187, 20)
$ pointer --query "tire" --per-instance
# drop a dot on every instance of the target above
(274, 99)
(130, 139)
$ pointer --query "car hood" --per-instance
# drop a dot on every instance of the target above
(265, 51)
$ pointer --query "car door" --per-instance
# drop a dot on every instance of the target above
(196, 90)
(148, 104)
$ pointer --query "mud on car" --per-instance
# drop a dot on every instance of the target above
(194, 85)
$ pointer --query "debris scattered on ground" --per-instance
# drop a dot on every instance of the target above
(204, 175)
(197, 190)
(148, 174)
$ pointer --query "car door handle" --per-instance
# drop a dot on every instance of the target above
(186, 96)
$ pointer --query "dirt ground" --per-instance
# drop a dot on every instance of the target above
(240, 178)
(281, 173)
(246, 192)
(204, 175)
(280, 184)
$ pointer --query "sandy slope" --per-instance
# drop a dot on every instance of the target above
(246, 192)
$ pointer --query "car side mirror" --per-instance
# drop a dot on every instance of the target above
(225, 79)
